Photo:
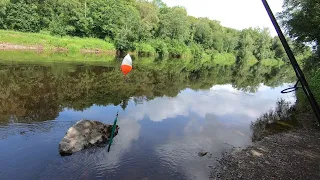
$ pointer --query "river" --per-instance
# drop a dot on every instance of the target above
(169, 111)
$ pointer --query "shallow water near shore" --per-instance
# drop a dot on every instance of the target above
(169, 111)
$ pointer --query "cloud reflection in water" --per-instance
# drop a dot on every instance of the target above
(216, 120)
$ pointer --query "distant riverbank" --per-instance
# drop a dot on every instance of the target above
(46, 43)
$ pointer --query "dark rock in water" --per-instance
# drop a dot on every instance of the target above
(201, 154)
(83, 134)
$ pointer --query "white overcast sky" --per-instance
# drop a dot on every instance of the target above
(238, 14)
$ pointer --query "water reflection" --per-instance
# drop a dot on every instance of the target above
(39, 92)
(169, 111)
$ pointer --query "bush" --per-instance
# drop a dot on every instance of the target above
(2, 17)
(271, 62)
(224, 58)
(177, 48)
(23, 17)
(312, 74)
(160, 47)
(196, 51)
(144, 49)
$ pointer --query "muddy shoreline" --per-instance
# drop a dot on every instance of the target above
(293, 154)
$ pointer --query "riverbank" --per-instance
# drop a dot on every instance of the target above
(293, 154)
(13, 40)
(290, 155)
(44, 43)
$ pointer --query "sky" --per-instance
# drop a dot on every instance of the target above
(237, 14)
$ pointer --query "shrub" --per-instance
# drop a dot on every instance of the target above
(177, 48)
(196, 51)
(160, 47)
(144, 49)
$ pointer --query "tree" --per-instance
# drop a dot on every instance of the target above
(22, 16)
(246, 45)
(301, 19)
(154, 27)
(69, 19)
(3, 14)
(173, 23)
(278, 49)
(230, 40)
(203, 33)
(118, 20)
(149, 19)
(263, 45)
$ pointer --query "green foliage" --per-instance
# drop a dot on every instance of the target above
(149, 19)
(196, 50)
(176, 48)
(173, 23)
(279, 51)
(3, 9)
(160, 47)
(271, 62)
(128, 24)
(145, 49)
(224, 58)
(312, 74)
(301, 19)
(246, 45)
(22, 16)
(203, 33)
(263, 45)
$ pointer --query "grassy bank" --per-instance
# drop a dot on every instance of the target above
(45, 57)
(52, 43)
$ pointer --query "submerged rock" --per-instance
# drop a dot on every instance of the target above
(83, 134)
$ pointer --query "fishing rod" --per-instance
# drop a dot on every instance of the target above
(113, 130)
(294, 63)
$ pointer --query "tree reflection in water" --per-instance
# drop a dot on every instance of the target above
(31, 92)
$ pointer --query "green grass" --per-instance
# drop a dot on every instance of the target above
(50, 43)
(31, 56)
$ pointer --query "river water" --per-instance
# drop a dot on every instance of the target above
(169, 111)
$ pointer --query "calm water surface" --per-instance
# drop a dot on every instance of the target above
(169, 111)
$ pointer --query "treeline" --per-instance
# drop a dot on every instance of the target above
(147, 27)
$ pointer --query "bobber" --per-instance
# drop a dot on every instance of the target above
(126, 65)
